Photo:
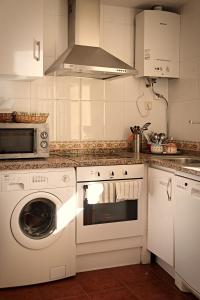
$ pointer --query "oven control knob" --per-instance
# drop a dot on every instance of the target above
(125, 172)
(112, 173)
(98, 174)
(44, 135)
(44, 144)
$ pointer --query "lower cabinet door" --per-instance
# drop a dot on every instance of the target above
(160, 239)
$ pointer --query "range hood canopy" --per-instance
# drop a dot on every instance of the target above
(84, 57)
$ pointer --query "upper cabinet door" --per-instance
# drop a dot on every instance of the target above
(21, 32)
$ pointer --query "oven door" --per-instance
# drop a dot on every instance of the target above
(101, 216)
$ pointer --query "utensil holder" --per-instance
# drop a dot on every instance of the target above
(136, 144)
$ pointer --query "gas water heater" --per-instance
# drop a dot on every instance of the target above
(157, 44)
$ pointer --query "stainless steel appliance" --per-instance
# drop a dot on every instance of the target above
(84, 57)
(24, 140)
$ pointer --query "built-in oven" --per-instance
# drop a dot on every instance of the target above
(110, 202)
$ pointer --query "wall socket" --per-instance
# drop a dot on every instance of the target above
(148, 105)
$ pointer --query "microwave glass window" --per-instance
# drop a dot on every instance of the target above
(19, 140)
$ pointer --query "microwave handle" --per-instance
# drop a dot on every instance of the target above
(35, 140)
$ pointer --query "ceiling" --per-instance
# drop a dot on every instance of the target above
(147, 4)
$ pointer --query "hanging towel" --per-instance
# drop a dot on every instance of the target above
(128, 190)
(94, 193)
(108, 193)
(105, 192)
(111, 192)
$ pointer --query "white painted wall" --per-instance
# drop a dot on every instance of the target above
(88, 109)
(184, 93)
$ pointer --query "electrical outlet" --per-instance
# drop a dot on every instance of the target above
(148, 105)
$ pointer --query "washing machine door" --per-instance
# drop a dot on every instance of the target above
(34, 220)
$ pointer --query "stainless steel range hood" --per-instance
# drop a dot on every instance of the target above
(84, 57)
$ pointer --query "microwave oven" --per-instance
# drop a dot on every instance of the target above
(24, 140)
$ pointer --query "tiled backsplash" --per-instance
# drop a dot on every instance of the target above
(88, 109)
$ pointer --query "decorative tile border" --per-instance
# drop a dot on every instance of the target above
(90, 147)
(187, 146)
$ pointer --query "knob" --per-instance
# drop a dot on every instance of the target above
(186, 184)
(44, 144)
(112, 173)
(65, 178)
(125, 172)
(44, 135)
(98, 174)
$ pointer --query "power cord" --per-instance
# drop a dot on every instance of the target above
(149, 82)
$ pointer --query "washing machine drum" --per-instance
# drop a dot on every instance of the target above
(34, 220)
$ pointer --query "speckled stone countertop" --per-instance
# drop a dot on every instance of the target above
(63, 160)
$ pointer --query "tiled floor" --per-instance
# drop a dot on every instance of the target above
(136, 282)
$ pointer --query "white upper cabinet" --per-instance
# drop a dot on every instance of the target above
(160, 238)
(21, 32)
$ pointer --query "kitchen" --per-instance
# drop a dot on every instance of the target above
(91, 114)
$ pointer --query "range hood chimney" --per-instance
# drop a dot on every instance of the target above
(84, 57)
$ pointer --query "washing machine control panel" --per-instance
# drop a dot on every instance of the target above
(39, 179)
(36, 180)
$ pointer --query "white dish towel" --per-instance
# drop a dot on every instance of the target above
(128, 190)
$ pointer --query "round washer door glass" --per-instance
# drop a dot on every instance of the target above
(37, 218)
(34, 220)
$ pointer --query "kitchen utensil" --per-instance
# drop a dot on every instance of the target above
(137, 142)
(145, 127)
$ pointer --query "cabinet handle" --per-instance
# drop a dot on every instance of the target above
(169, 185)
(36, 50)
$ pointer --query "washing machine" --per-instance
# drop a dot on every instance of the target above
(37, 226)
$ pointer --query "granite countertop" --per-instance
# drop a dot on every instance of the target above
(63, 160)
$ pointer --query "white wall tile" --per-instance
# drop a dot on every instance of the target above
(131, 88)
(92, 89)
(14, 89)
(92, 120)
(157, 117)
(114, 120)
(22, 105)
(46, 106)
(67, 87)
(67, 120)
(180, 114)
(184, 93)
(43, 88)
(114, 89)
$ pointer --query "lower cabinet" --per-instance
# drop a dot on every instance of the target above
(160, 237)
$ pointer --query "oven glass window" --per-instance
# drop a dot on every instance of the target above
(19, 140)
(99, 213)
(37, 219)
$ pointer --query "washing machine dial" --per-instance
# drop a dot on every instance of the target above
(65, 178)
(44, 144)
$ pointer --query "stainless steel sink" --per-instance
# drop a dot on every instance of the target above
(184, 160)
